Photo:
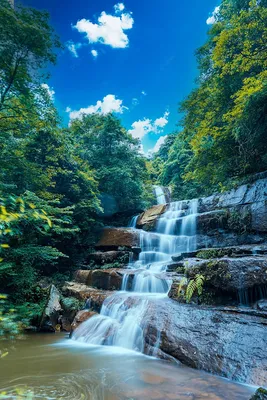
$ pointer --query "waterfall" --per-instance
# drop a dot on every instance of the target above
(123, 315)
(160, 196)
(132, 223)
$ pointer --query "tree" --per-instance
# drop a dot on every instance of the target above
(112, 152)
(27, 44)
(224, 123)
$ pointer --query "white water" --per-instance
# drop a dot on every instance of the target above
(160, 196)
(123, 315)
(133, 222)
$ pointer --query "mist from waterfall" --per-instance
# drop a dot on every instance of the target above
(123, 315)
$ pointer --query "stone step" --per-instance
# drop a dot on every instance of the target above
(106, 279)
(118, 239)
(109, 257)
(94, 298)
(230, 274)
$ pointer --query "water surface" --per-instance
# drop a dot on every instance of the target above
(54, 367)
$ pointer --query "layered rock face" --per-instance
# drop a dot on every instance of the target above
(223, 342)
(224, 328)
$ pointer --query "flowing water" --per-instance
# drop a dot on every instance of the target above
(159, 194)
(51, 367)
(122, 318)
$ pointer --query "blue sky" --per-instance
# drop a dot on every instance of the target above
(136, 59)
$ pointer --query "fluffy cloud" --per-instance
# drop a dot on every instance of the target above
(107, 105)
(144, 93)
(119, 8)
(159, 142)
(73, 47)
(50, 91)
(94, 53)
(142, 127)
(162, 121)
(213, 18)
(109, 29)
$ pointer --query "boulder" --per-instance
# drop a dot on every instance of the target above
(80, 317)
(115, 238)
(93, 298)
(106, 279)
(230, 274)
(262, 305)
(147, 220)
(227, 344)
(49, 319)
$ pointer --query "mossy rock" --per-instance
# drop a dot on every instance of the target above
(261, 394)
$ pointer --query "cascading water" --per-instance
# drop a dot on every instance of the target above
(160, 196)
(122, 318)
(133, 222)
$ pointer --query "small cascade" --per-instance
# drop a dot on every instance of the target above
(133, 221)
(123, 315)
(160, 196)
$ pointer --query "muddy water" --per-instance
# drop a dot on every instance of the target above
(54, 367)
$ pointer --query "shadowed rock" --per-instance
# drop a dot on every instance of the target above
(93, 297)
(114, 238)
(228, 344)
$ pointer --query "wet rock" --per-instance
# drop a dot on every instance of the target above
(261, 394)
(148, 219)
(115, 238)
(228, 344)
(247, 204)
(230, 274)
(228, 239)
(262, 305)
(51, 312)
(234, 251)
(245, 194)
(94, 298)
(108, 257)
(106, 279)
(80, 317)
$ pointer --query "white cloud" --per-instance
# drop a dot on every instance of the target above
(73, 47)
(144, 93)
(109, 104)
(50, 91)
(119, 7)
(108, 30)
(68, 109)
(94, 53)
(142, 127)
(159, 143)
(162, 121)
(213, 18)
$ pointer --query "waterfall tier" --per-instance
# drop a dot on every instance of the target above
(122, 319)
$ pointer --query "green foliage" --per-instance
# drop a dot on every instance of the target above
(113, 153)
(55, 183)
(193, 286)
(224, 118)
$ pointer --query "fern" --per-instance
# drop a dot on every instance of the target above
(194, 285)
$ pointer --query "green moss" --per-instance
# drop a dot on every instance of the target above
(261, 394)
